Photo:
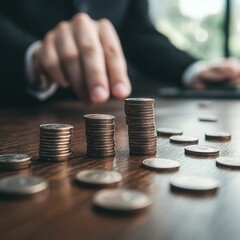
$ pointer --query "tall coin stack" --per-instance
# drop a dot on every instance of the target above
(140, 119)
(55, 141)
(100, 135)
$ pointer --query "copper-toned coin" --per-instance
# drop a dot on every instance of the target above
(22, 185)
(124, 200)
(98, 177)
(15, 161)
(228, 162)
(218, 136)
(208, 118)
(59, 137)
(183, 139)
(200, 150)
(56, 127)
(168, 132)
(138, 100)
(48, 141)
(160, 164)
(57, 147)
(194, 184)
(99, 118)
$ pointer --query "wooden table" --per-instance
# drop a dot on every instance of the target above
(65, 211)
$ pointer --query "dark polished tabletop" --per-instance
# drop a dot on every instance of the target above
(65, 211)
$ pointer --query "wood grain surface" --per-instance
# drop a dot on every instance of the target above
(65, 211)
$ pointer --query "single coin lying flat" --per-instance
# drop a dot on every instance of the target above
(220, 136)
(228, 162)
(201, 150)
(124, 200)
(208, 118)
(168, 131)
(98, 177)
(160, 164)
(22, 185)
(193, 183)
(183, 139)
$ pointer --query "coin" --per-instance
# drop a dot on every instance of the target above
(208, 118)
(56, 127)
(168, 132)
(228, 162)
(160, 164)
(194, 184)
(19, 185)
(220, 136)
(55, 157)
(183, 139)
(201, 150)
(98, 177)
(15, 161)
(91, 118)
(123, 200)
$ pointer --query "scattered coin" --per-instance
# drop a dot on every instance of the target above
(200, 150)
(100, 135)
(121, 200)
(140, 119)
(19, 185)
(15, 161)
(98, 177)
(183, 139)
(220, 136)
(55, 141)
(160, 164)
(168, 132)
(208, 118)
(194, 184)
(228, 162)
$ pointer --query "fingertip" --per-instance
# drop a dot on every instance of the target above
(121, 90)
(99, 94)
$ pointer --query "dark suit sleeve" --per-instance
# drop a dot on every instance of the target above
(13, 44)
(149, 50)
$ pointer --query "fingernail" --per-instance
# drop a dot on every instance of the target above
(99, 94)
(121, 90)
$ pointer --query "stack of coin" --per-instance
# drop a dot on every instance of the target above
(141, 126)
(55, 141)
(100, 135)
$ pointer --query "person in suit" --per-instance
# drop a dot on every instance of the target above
(84, 45)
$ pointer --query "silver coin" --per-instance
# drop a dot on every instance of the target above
(22, 185)
(183, 139)
(229, 162)
(168, 131)
(218, 135)
(193, 183)
(201, 150)
(14, 158)
(160, 164)
(121, 200)
(56, 126)
(98, 177)
(208, 118)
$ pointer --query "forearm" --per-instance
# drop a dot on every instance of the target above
(149, 50)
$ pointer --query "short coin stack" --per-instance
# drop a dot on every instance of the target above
(140, 119)
(55, 141)
(100, 135)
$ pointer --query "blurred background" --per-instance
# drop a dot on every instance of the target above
(208, 29)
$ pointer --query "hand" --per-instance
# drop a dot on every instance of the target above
(86, 55)
(226, 72)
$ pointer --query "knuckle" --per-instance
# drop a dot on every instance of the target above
(48, 37)
(62, 25)
(88, 49)
(104, 22)
(81, 18)
(112, 52)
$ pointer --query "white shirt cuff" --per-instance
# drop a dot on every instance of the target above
(191, 73)
(42, 93)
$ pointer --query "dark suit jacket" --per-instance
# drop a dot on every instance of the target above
(25, 21)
